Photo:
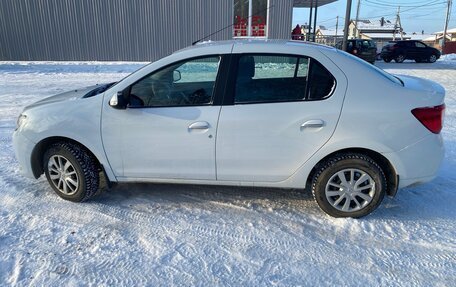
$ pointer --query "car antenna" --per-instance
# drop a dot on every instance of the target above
(224, 28)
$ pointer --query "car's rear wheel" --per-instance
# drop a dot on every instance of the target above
(432, 58)
(387, 60)
(349, 185)
(71, 171)
(399, 58)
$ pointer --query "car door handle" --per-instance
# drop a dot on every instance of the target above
(199, 126)
(314, 124)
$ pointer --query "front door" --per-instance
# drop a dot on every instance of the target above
(168, 130)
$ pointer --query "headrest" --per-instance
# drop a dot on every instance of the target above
(246, 68)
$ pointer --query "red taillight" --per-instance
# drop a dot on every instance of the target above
(431, 117)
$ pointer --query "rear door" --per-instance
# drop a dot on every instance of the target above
(422, 51)
(283, 109)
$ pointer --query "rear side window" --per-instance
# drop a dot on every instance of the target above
(420, 45)
(278, 78)
(321, 82)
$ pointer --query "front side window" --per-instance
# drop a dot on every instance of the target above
(186, 83)
(277, 78)
(250, 18)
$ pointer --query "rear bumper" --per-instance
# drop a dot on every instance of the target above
(23, 148)
(419, 162)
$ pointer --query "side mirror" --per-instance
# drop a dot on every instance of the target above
(118, 101)
(176, 75)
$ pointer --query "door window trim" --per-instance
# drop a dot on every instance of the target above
(230, 91)
(217, 94)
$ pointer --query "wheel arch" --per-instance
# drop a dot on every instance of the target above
(41, 147)
(392, 177)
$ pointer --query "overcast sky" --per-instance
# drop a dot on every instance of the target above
(416, 16)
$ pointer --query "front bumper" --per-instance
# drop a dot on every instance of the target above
(23, 148)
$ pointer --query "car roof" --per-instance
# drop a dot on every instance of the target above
(249, 42)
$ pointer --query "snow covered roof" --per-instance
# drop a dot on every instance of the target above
(374, 25)
(387, 36)
(450, 31)
(420, 36)
(331, 32)
(429, 39)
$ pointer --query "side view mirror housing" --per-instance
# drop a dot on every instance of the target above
(176, 75)
(119, 101)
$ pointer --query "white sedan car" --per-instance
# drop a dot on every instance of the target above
(252, 113)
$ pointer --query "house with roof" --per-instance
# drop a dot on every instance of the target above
(436, 38)
(328, 37)
(380, 30)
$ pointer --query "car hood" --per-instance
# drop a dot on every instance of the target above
(73, 95)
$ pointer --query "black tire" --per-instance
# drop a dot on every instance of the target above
(399, 58)
(326, 170)
(432, 58)
(387, 60)
(84, 168)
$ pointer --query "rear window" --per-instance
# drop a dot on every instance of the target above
(368, 44)
(376, 69)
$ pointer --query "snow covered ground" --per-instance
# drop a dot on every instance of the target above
(159, 234)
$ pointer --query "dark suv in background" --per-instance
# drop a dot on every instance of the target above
(362, 48)
(409, 49)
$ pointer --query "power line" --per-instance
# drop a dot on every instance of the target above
(383, 4)
(383, 15)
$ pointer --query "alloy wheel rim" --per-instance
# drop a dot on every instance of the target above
(63, 174)
(433, 59)
(350, 190)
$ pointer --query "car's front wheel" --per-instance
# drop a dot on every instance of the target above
(349, 185)
(387, 60)
(71, 171)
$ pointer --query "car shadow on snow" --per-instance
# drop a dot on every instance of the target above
(431, 201)
(202, 196)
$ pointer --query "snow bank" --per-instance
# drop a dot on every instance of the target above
(447, 57)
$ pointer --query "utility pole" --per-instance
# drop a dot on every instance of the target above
(337, 24)
(398, 24)
(347, 23)
(315, 21)
(310, 22)
(450, 3)
(337, 28)
(357, 18)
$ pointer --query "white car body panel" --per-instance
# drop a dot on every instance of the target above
(357, 115)
(67, 116)
(267, 142)
(158, 143)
